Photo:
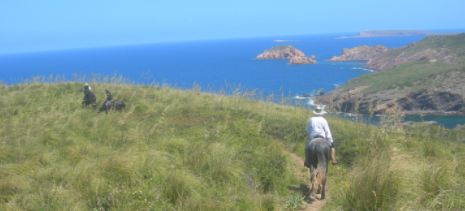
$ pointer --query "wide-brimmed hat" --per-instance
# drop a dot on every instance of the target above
(85, 84)
(318, 111)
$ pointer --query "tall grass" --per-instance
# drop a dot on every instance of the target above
(398, 167)
(190, 150)
(172, 149)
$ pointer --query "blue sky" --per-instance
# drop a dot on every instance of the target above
(50, 24)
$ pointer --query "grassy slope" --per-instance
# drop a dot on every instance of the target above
(454, 43)
(170, 150)
(196, 151)
(408, 74)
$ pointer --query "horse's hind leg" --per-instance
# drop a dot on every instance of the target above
(313, 179)
(323, 190)
(312, 169)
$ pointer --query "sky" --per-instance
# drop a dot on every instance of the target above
(31, 25)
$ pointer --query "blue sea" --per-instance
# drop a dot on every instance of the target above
(212, 64)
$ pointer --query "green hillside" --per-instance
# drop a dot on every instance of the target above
(187, 150)
(454, 43)
(412, 74)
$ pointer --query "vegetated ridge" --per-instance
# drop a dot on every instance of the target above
(187, 150)
(360, 53)
(422, 77)
(170, 149)
(287, 52)
(390, 33)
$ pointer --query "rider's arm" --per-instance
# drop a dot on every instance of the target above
(309, 127)
(329, 137)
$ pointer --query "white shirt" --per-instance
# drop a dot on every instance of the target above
(317, 125)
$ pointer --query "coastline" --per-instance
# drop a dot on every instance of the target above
(448, 121)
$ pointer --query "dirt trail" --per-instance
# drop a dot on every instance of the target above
(312, 204)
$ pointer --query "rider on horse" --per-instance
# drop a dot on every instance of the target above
(318, 127)
(89, 98)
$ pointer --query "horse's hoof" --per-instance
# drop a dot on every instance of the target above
(312, 196)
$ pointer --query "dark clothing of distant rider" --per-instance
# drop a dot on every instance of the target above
(109, 97)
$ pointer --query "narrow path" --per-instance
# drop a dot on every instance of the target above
(303, 188)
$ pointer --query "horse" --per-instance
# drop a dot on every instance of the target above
(89, 99)
(117, 105)
(318, 154)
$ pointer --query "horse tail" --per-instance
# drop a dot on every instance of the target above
(322, 170)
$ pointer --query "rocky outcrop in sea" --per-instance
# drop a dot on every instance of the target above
(281, 52)
(360, 53)
(287, 52)
(302, 60)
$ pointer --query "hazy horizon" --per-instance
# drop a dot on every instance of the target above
(55, 25)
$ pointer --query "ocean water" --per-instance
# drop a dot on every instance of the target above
(214, 63)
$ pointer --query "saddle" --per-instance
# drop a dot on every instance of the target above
(306, 163)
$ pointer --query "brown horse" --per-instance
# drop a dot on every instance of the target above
(318, 153)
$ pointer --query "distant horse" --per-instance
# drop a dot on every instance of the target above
(318, 155)
(89, 99)
(117, 105)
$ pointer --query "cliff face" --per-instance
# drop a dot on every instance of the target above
(360, 53)
(302, 60)
(281, 52)
(439, 93)
(448, 49)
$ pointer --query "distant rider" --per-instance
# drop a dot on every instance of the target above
(109, 97)
(318, 127)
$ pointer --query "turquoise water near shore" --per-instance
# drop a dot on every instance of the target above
(447, 121)
(211, 64)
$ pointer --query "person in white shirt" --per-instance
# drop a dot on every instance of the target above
(318, 127)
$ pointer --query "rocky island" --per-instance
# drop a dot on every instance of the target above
(280, 52)
(425, 77)
(360, 53)
(302, 60)
(287, 52)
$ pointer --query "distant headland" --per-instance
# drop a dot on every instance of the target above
(360, 53)
(390, 33)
